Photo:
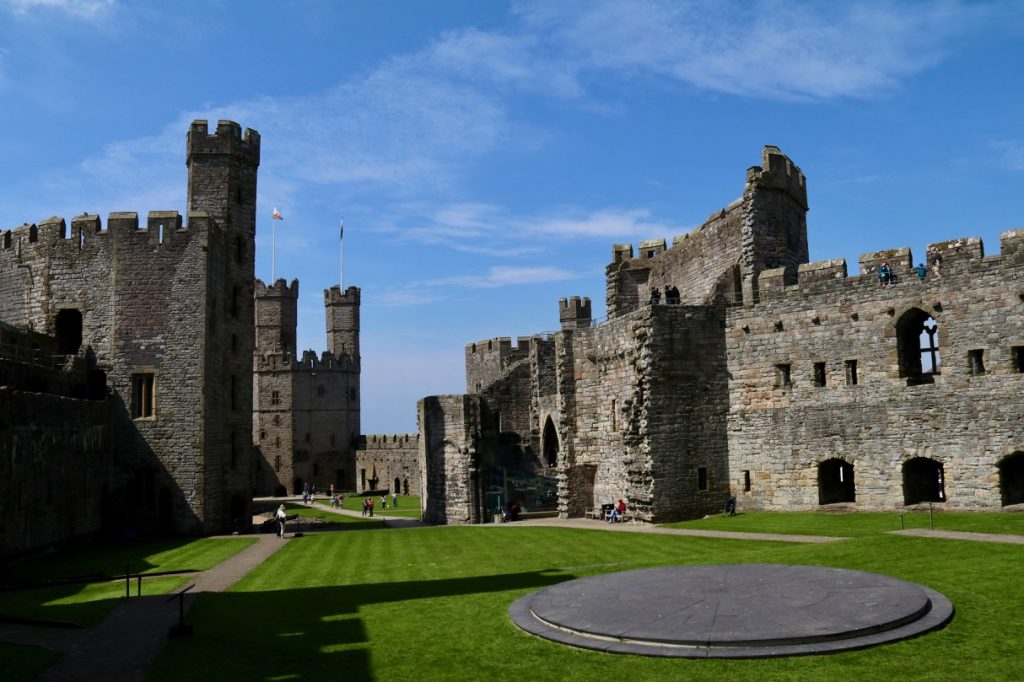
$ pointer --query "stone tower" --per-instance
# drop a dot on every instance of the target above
(222, 182)
(276, 317)
(343, 323)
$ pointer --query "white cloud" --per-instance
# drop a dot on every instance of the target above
(78, 9)
(501, 276)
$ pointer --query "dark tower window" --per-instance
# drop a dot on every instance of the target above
(398, 486)
(234, 391)
(321, 390)
(923, 481)
(143, 395)
(976, 361)
(746, 480)
(820, 376)
(702, 478)
(550, 443)
(1011, 479)
(851, 372)
(362, 479)
(275, 399)
(783, 378)
(917, 342)
(235, 294)
(835, 482)
(1017, 356)
(68, 330)
(239, 250)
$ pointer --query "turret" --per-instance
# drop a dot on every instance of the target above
(574, 313)
(276, 317)
(222, 173)
(343, 322)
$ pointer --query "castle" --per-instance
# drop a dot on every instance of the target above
(788, 384)
(126, 360)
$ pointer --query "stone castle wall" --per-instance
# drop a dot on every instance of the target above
(449, 429)
(388, 462)
(967, 421)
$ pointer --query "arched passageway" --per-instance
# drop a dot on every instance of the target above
(917, 342)
(550, 443)
(835, 482)
(1011, 479)
(923, 481)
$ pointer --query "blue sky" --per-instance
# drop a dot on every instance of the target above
(485, 155)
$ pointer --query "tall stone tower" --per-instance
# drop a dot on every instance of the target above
(222, 182)
(343, 323)
(276, 317)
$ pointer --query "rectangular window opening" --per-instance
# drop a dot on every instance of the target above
(142, 395)
(702, 478)
(820, 376)
(851, 372)
(275, 397)
(746, 480)
(976, 361)
(782, 376)
(1017, 353)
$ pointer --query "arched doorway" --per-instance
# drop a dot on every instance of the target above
(917, 343)
(398, 485)
(550, 443)
(67, 329)
(298, 484)
(835, 482)
(1011, 479)
(237, 508)
(923, 481)
(280, 491)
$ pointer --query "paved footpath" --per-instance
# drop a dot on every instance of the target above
(123, 646)
(630, 527)
(961, 535)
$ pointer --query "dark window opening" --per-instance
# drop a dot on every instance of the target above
(234, 343)
(405, 487)
(976, 361)
(923, 481)
(263, 435)
(702, 478)
(550, 443)
(275, 399)
(362, 479)
(1017, 356)
(234, 391)
(820, 377)
(142, 395)
(851, 372)
(234, 301)
(835, 482)
(1011, 479)
(277, 417)
(277, 463)
(239, 250)
(398, 486)
(321, 390)
(613, 416)
(746, 480)
(917, 343)
(309, 436)
(297, 485)
(68, 330)
(782, 376)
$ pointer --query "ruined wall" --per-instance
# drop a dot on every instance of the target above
(487, 361)
(966, 420)
(449, 428)
(720, 260)
(388, 459)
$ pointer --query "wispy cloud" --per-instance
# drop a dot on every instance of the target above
(77, 9)
(1011, 152)
(501, 276)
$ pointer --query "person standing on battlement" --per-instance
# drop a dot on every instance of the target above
(671, 294)
(655, 296)
(885, 275)
(922, 271)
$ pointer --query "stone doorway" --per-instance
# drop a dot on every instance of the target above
(835, 482)
(1011, 479)
(923, 481)
(550, 444)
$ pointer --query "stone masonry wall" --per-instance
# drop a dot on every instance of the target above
(965, 421)
(389, 458)
(449, 429)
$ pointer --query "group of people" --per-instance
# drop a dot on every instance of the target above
(887, 278)
(511, 512)
(671, 295)
(308, 493)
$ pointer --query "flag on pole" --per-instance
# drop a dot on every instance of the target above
(276, 215)
(341, 229)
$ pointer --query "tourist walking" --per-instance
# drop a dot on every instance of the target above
(281, 517)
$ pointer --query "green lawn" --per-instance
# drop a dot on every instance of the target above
(857, 524)
(431, 604)
(309, 513)
(83, 604)
(24, 662)
(408, 505)
(145, 556)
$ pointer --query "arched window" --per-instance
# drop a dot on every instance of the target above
(923, 481)
(917, 340)
(835, 482)
(1011, 479)
(550, 443)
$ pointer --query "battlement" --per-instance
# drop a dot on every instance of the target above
(161, 228)
(777, 171)
(308, 362)
(280, 288)
(227, 140)
(962, 255)
(387, 441)
(334, 296)
(500, 346)
(574, 312)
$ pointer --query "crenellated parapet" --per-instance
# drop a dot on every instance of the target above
(778, 172)
(387, 441)
(278, 289)
(574, 312)
(335, 296)
(226, 140)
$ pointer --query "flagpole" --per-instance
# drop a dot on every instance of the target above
(273, 248)
(341, 260)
